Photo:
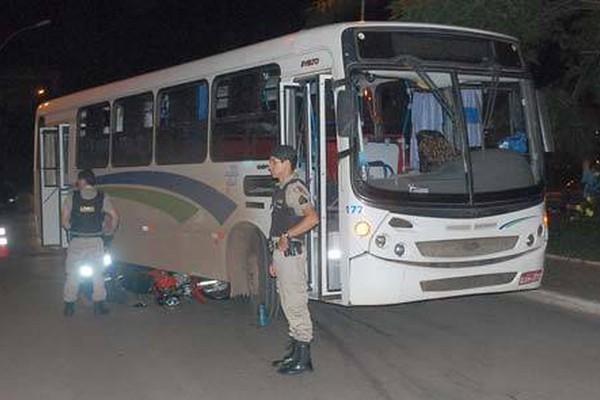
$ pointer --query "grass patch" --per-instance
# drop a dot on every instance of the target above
(575, 239)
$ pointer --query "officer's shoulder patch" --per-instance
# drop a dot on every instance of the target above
(302, 200)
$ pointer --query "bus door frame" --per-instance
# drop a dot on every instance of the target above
(53, 188)
(315, 175)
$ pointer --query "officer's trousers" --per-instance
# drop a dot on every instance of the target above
(84, 251)
(293, 292)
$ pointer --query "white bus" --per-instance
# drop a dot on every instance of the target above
(421, 144)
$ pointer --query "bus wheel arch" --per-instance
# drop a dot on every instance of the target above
(248, 261)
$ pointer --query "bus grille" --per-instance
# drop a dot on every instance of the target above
(467, 282)
(467, 247)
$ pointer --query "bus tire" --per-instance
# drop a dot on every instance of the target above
(248, 262)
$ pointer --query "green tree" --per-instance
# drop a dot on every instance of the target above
(323, 12)
(569, 27)
(534, 22)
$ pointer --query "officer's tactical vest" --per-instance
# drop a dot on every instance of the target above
(282, 216)
(87, 215)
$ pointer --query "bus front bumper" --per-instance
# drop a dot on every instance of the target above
(374, 281)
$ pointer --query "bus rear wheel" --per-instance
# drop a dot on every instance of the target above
(249, 261)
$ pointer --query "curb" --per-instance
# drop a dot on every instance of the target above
(573, 260)
(564, 301)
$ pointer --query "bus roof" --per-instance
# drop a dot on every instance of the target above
(323, 37)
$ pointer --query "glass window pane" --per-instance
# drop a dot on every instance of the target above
(245, 125)
(181, 134)
(377, 44)
(93, 133)
(410, 137)
(50, 159)
(501, 146)
(132, 134)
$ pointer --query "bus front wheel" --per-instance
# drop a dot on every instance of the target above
(248, 269)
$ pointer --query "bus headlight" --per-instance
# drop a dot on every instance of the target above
(362, 228)
(380, 241)
(2, 231)
(86, 271)
(399, 249)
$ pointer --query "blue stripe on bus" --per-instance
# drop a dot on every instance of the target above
(516, 221)
(216, 203)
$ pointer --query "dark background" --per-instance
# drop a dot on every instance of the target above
(92, 42)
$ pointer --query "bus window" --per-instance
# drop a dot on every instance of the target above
(132, 130)
(245, 116)
(496, 116)
(181, 134)
(93, 132)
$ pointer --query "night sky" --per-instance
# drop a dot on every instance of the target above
(92, 42)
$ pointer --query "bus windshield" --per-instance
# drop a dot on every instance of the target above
(415, 131)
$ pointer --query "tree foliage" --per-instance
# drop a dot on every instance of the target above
(560, 41)
(572, 24)
(323, 12)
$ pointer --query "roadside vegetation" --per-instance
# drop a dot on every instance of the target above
(575, 237)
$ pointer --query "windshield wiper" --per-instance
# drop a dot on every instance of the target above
(416, 65)
(491, 105)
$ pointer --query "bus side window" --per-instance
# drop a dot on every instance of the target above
(132, 130)
(182, 131)
(245, 116)
(93, 133)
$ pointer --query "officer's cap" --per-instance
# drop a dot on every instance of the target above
(285, 152)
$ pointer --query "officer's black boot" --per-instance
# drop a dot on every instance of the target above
(300, 362)
(100, 308)
(288, 356)
(69, 309)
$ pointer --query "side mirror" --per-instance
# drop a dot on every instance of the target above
(544, 120)
(346, 114)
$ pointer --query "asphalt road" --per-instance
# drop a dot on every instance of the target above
(483, 347)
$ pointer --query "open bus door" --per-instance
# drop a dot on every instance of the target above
(53, 158)
(305, 116)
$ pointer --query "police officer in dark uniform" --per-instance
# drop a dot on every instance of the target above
(292, 217)
(84, 216)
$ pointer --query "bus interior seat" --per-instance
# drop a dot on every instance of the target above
(434, 150)
(382, 158)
